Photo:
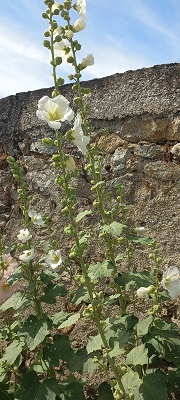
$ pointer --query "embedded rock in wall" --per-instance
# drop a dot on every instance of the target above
(141, 110)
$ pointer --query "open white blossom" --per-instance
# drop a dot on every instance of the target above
(87, 61)
(54, 110)
(171, 281)
(144, 292)
(53, 258)
(79, 139)
(27, 255)
(24, 235)
(79, 25)
(80, 7)
(36, 218)
(59, 49)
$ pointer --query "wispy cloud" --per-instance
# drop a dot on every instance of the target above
(149, 18)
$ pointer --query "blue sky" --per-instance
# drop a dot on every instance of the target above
(121, 34)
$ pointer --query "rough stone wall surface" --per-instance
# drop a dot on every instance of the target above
(141, 110)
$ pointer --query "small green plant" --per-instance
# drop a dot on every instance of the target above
(139, 357)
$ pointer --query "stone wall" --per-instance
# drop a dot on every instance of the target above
(141, 110)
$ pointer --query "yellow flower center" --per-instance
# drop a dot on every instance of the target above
(54, 116)
(55, 258)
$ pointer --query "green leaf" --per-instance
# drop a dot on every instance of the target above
(17, 301)
(137, 356)
(10, 248)
(70, 321)
(12, 351)
(59, 317)
(83, 214)
(47, 390)
(35, 330)
(131, 383)
(83, 362)
(51, 292)
(79, 295)
(173, 380)
(143, 326)
(115, 229)
(4, 395)
(111, 299)
(100, 270)
(119, 342)
(139, 240)
(72, 391)
(60, 349)
(120, 256)
(154, 386)
(94, 343)
(172, 352)
(3, 371)
(48, 276)
(138, 279)
(105, 392)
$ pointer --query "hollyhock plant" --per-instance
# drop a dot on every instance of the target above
(80, 7)
(24, 235)
(171, 281)
(53, 259)
(79, 139)
(9, 265)
(36, 218)
(27, 255)
(54, 110)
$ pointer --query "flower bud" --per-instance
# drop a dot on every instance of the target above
(70, 60)
(58, 60)
(45, 15)
(47, 34)
(47, 44)
(47, 141)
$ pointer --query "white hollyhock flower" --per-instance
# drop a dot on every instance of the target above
(53, 258)
(79, 25)
(24, 235)
(79, 139)
(80, 7)
(27, 255)
(36, 218)
(70, 164)
(54, 110)
(171, 281)
(87, 61)
(59, 49)
(143, 292)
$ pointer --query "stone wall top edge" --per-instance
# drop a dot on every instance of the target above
(143, 72)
